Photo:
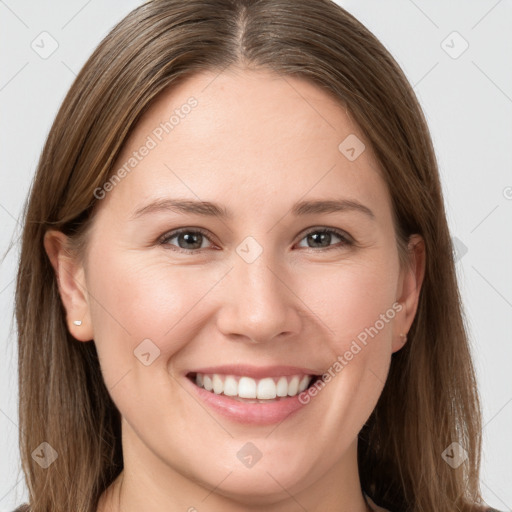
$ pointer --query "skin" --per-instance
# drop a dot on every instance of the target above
(256, 143)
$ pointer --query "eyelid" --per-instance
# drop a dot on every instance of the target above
(347, 239)
(326, 229)
(175, 232)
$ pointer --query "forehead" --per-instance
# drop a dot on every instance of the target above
(248, 136)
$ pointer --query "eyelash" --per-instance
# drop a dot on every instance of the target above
(345, 239)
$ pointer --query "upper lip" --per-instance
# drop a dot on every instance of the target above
(256, 372)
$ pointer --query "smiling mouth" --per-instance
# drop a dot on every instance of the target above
(249, 390)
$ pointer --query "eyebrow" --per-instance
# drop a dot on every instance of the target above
(209, 209)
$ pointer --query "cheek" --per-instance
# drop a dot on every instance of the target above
(352, 298)
(135, 299)
(356, 303)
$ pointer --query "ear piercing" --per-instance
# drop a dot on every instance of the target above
(404, 336)
(77, 322)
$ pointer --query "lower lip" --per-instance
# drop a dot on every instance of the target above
(246, 412)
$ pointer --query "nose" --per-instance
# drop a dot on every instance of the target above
(258, 302)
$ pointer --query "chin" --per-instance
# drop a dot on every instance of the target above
(262, 483)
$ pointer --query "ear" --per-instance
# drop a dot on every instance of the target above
(408, 292)
(70, 277)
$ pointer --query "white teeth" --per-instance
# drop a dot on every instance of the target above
(246, 387)
(282, 387)
(207, 382)
(218, 385)
(293, 386)
(267, 388)
(304, 383)
(230, 386)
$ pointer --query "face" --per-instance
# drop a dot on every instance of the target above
(269, 284)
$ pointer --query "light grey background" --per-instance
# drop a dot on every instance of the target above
(467, 99)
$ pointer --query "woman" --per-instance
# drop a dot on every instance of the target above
(174, 351)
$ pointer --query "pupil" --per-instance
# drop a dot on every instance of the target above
(189, 239)
(325, 237)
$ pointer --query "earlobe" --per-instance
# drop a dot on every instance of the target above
(409, 291)
(69, 273)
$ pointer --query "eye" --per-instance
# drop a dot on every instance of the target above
(322, 237)
(192, 240)
(189, 240)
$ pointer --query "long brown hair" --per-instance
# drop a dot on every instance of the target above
(430, 399)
